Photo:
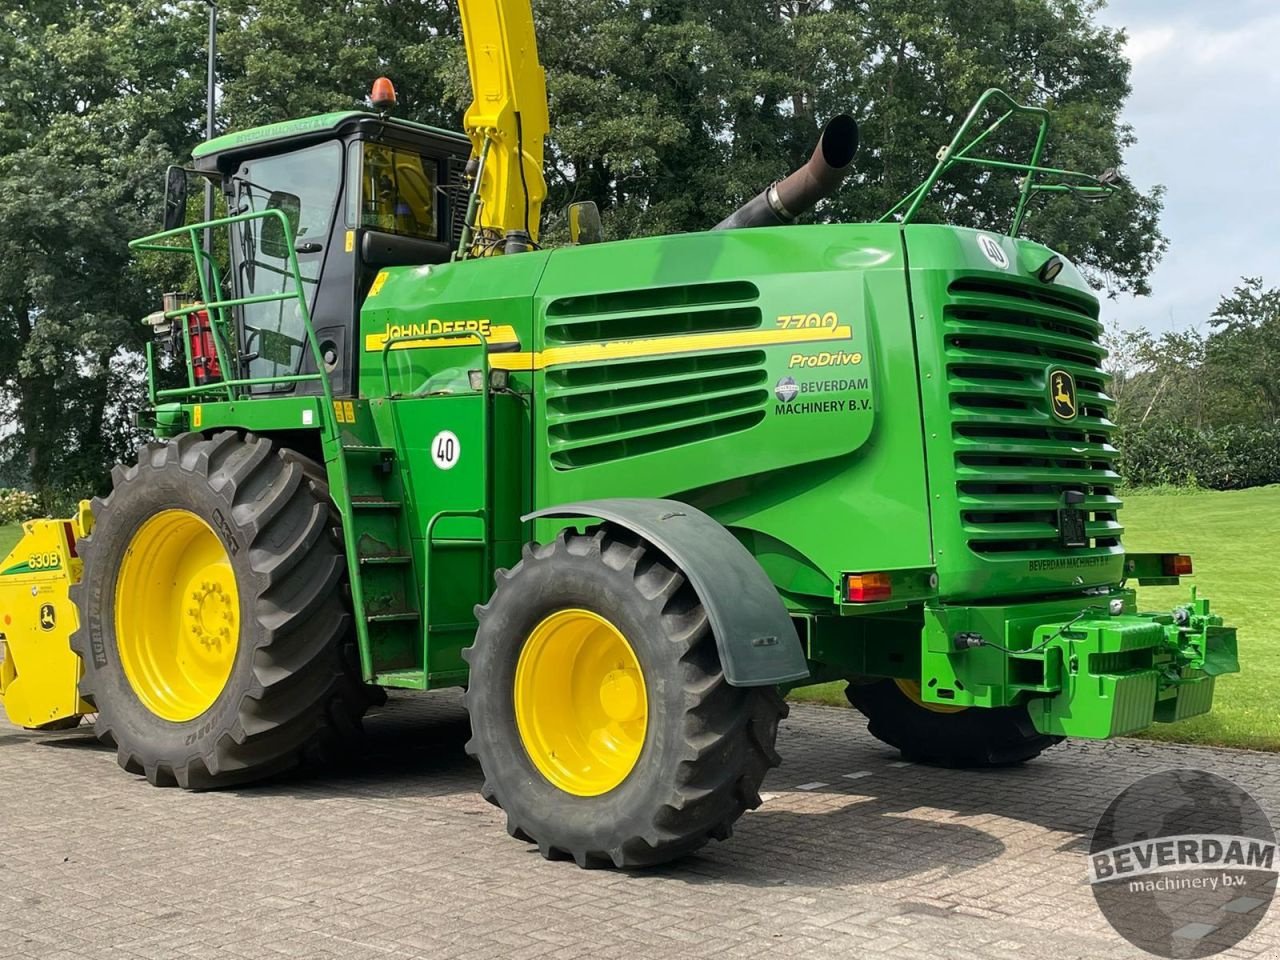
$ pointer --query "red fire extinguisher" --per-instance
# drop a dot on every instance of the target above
(204, 357)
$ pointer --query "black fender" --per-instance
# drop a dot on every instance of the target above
(756, 640)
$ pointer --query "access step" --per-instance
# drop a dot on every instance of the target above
(387, 561)
(402, 616)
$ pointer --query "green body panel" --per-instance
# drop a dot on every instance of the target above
(999, 459)
(831, 481)
(907, 400)
(826, 481)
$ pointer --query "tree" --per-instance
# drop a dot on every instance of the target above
(667, 113)
(1245, 346)
(87, 112)
(670, 114)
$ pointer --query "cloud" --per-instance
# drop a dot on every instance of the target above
(1146, 43)
(1205, 78)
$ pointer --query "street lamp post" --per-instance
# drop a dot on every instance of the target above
(210, 90)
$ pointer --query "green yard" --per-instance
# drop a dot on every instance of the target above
(1233, 536)
(9, 534)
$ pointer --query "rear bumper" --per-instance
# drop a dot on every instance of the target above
(1087, 667)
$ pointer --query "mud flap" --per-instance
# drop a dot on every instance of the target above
(757, 643)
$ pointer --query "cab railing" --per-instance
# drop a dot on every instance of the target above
(968, 138)
(220, 316)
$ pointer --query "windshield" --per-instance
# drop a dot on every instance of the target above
(303, 185)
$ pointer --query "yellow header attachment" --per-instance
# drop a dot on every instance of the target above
(39, 673)
(507, 119)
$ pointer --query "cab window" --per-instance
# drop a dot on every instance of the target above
(304, 185)
(398, 192)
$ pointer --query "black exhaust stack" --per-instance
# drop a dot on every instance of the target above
(787, 199)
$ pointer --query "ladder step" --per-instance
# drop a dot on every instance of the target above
(413, 679)
(365, 448)
(374, 503)
(388, 561)
(404, 616)
(451, 627)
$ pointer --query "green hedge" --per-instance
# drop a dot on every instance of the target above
(1222, 458)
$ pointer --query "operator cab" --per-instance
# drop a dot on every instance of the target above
(362, 191)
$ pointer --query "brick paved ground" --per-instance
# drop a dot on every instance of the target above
(399, 857)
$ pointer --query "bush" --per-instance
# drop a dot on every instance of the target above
(18, 505)
(1222, 458)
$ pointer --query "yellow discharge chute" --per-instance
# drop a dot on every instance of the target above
(508, 113)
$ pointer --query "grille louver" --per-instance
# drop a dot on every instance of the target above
(600, 413)
(1013, 459)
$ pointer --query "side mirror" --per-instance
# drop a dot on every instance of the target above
(584, 222)
(175, 198)
(273, 242)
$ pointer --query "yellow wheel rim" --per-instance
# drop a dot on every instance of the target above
(177, 615)
(911, 690)
(581, 705)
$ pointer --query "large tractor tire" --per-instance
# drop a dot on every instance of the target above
(599, 710)
(214, 633)
(946, 736)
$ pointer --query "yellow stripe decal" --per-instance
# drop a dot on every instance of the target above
(659, 346)
(500, 335)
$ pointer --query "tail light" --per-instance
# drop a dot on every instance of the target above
(867, 587)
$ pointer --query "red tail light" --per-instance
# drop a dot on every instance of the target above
(71, 539)
(867, 587)
(1176, 565)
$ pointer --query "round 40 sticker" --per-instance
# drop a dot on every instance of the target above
(445, 449)
(992, 250)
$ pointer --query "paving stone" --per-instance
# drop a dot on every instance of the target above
(396, 855)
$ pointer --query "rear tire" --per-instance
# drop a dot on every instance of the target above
(289, 691)
(971, 737)
(705, 747)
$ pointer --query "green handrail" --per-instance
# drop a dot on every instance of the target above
(481, 340)
(217, 308)
(955, 153)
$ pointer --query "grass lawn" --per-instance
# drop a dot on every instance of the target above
(1233, 536)
(10, 533)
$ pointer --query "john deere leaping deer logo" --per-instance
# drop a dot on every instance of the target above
(1062, 394)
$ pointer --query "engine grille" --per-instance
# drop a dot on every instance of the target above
(1013, 459)
(600, 412)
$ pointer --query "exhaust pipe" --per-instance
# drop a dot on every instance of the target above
(787, 199)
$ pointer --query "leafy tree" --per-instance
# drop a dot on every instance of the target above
(1160, 379)
(668, 113)
(1246, 346)
(87, 112)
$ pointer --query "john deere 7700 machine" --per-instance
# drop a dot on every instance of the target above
(623, 493)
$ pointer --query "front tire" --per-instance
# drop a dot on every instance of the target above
(214, 635)
(600, 714)
(946, 736)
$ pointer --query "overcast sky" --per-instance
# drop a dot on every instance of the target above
(1206, 82)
